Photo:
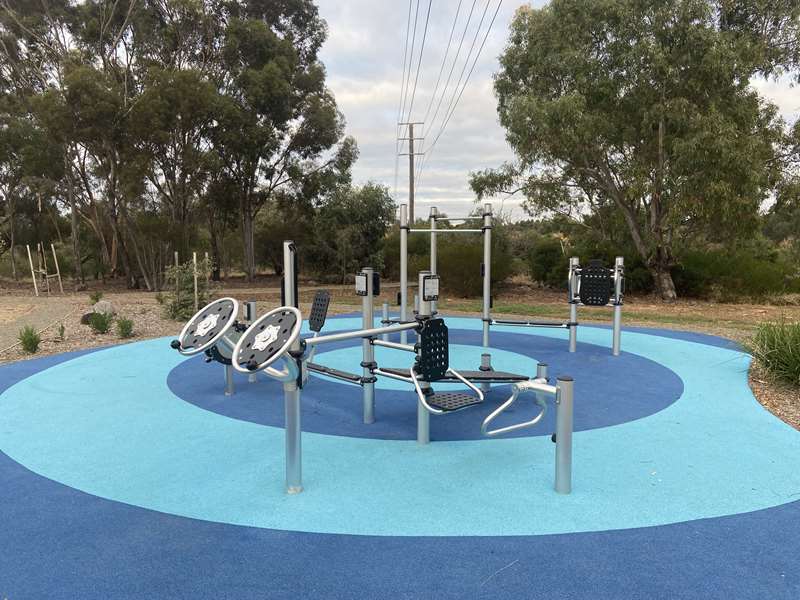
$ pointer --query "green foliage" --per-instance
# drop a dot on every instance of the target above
(95, 297)
(29, 339)
(124, 327)
(459, 265)
(725, 277)
(179, 304)
(679, 145)
(61, 331)
(350, 230)
(776, 346)
(161, 298)
(547, 263)
(100, 322)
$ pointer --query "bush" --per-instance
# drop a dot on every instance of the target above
(547, 263)
(95, 297)
(124, 327)
(100, 322)
(724, 276)
(459, 265)
(776, 346)
(29, 339)
(179, 301)
(61, 331)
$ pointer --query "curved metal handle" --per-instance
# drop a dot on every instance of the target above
(467, 383)
(537, 387)
(421, 395)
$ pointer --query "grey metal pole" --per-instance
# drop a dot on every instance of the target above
(433, 217)
(250, 316)
(368, 351)
(291, 391)
(411, 172)
(403, 268)
(572, 286)
(487, 272)
(385, 320)
(486, 365)
(416, 301)
(564, 411)
(228, 380)
(541, 371)
(619, 266)
(294, 450)
(423, 416)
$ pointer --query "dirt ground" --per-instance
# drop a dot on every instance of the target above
(19, 307)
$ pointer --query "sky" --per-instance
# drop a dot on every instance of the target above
(364, 60)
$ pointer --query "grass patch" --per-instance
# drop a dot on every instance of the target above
(95, 297)
(776, 346)
(29, 339)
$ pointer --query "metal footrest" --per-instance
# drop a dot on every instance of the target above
(452, 401)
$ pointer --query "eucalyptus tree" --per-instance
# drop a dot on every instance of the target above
(645, 106)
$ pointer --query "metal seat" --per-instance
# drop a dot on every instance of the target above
(452, 401)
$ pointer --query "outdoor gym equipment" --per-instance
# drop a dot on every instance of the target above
(276, 337)
(594, 285)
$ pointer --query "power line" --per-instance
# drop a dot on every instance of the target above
(419, 62)
(429, 150)
(444, 60)
(400, 102)
(411, 61)
(452, 67)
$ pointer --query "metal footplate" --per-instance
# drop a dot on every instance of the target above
(475, 376)
(452, 401)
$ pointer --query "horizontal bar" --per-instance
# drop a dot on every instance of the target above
(394, 345)
(361, 333)
(446, 230)
(393, 376)
(543, 324)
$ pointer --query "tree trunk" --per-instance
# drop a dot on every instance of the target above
(249, 242)
(76, 249)
(11, 236)
(662, 278)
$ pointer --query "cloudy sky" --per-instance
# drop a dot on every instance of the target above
(364, 60)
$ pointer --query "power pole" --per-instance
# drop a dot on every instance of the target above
(411, 154)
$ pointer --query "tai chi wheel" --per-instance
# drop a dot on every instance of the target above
(267, 339)
(207, 327)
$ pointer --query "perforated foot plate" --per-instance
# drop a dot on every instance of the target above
(452, 401)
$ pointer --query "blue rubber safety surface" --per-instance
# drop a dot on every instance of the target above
(105, 461)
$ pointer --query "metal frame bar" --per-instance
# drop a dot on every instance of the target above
(367, 351)
(394, 345)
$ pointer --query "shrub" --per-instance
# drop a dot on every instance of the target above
(547, 263)
(100, 322)
(459, 265)
(124, 327)
(160, 298)
(61, 330)
(179, 301)
(776, 346)
(95, 297)
(29, 339)
(724, 276)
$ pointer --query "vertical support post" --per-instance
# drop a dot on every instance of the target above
(486, 272)
(291, 389)
(564, 410)
(411, 172)
(33, 273)
(416, 301)
(228, 380)
(572, 287)
(619, 274)
(385, 320)
(403, 269)
(58, 270)
(423, 416)
(43, 265)
(194, 269)
(250, 313)
(294, 449)
(433, 216)
(368, 350)
(486, 365)
(541, 371)
(206, 267)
